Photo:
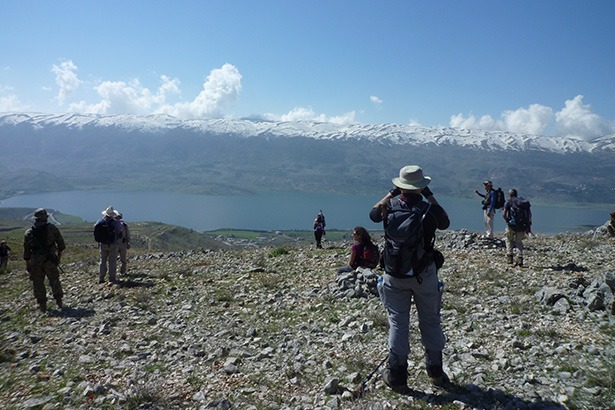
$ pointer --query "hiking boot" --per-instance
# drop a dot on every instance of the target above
(509, 259)
(42, 306)
(519, 262)
(437, 376)
(396, 378)
(59, 303)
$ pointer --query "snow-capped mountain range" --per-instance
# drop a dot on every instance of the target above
(50, 152)
(393, 133)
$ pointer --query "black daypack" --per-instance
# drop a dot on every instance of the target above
(519, 217)
(500, 199)
(104, 231)
(404, 246)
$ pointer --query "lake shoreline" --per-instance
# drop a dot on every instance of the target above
(284, 211)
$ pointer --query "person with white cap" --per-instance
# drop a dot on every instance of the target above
(106, 232)
(123, 241)
(411, 274)
(488, 202)
(42, 250)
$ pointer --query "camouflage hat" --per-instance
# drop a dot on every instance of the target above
(40, 213)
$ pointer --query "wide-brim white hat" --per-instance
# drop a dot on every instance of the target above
(411, 177)
(109, 211)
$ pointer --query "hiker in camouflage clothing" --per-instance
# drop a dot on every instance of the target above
(42, 250)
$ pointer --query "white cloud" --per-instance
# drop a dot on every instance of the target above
(308, 114)
(575, 119)
(220, 91)
(375, 100)
(531, 120)
(66, 78)
(11, 103)
(484, 122)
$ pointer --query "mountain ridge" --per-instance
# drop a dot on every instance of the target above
(45, 152)
(394, 133)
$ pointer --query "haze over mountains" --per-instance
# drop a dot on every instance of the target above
(53, 152)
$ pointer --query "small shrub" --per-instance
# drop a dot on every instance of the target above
(278, 252)
(549, 333)
(524, 333)
(143, 298)
(146, 395)
(270, 280)
(6, 355)
(223, 295)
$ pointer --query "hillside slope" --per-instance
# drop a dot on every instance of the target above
(274, 328)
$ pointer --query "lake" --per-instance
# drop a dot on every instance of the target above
(287, 211)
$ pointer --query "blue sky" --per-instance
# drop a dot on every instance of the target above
(541, 67)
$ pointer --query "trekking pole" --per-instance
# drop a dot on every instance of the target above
(358, 391)
(61, 270)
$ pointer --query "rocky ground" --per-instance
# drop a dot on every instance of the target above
(276, 328)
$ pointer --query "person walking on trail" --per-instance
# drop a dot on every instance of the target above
(489, 198)
(363, 253)
(518, 218)
(319, 229)
(106, 231)
(123, 241)
(42, 250)
(5, 251)
(411, 274)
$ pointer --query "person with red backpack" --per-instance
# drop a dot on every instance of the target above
(363, 253)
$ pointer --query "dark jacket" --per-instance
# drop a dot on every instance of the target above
(436, 217)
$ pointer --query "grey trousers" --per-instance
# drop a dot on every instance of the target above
(123, 252)
(108, 255)
(397, 297)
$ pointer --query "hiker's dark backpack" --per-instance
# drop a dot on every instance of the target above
(519, 216)
(500, 199)
(319, 224)
(404, 247)
(104, 231)
(371, 255)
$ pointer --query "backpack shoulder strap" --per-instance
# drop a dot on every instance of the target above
(421, 207)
